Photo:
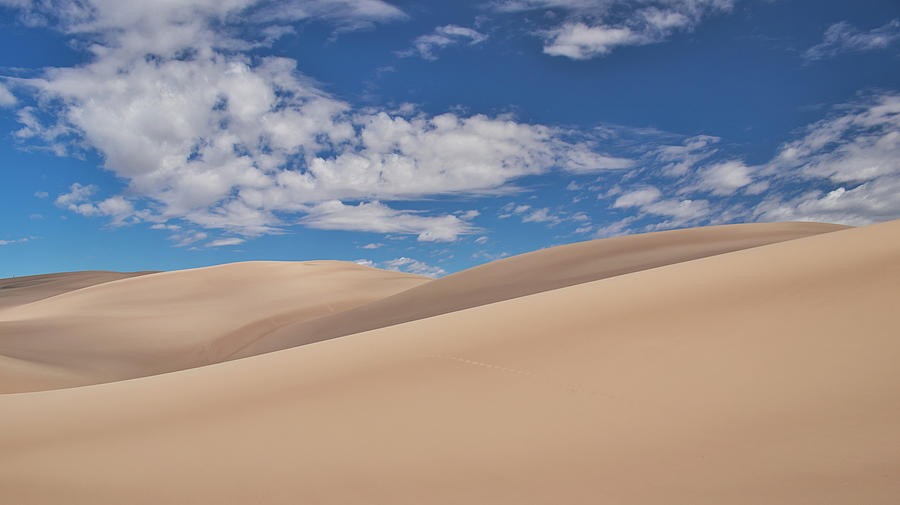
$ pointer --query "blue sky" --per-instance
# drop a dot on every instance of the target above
(431, 136)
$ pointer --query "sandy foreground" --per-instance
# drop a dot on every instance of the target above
(762, 373)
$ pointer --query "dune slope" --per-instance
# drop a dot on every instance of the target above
(173, 320)
(21, 290)
(766, 375)
(534, 272)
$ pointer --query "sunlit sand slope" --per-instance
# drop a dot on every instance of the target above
(535, 272)
(767, 375)
(22, 290)
(173, 320)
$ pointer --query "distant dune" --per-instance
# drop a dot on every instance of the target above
(21, 290)
(534, 272)
(669, 368)
(173, 320)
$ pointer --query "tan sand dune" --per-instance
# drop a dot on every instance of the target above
(196, 317)
(20, 290)
(173, 320)
(535, 272)
(767, 375)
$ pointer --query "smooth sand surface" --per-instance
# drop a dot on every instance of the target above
(27, 289)
(535, 272)
(177, 320)
(767, 375)
(173, 320)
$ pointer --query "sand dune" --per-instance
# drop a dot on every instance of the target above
(178, 320)
(173, 320)
(21, 290)
(536, 272)
(766, 375)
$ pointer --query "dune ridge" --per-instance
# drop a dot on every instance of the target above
(535, 272)
(170, 321)
(26, 289)
(178, 320)
(765, 375)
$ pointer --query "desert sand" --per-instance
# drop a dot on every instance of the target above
(762, 373)
(21, 290)
(173, 320)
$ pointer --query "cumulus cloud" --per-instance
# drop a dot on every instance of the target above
(592, 28)
(204, 133)
(78, 200)
(404, 264)
(725, 178)
(845, 38)
(424, 46)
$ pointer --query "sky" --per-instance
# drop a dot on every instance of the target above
(430, 137)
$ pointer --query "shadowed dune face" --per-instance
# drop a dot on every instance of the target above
(173, 320)
(21, 290)
(535, 272)
(766, 375)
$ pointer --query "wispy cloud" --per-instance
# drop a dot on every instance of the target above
(424, 46)
(225, 241)
(375, 216)
(842, 169)
(845, 38)
(404, 264)
(593, 28)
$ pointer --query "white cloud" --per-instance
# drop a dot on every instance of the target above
(404, 264)
(852, 157)
(638, 197)
(203, 133)
(679, 160)
(582, 160)
(7, 99)
(725, 178)
(373, 246)
(443, 36)
(580, 41)
(844, 38)
(375, 216)
(16, 241)
(78, 200)
(593, 28)
(188, 238)
(77, 193)
(541, 216)
(481, 240)
(858, 151)
(365, 263)
(163, 226)
(647, 200)
(225, 241)
(41, 194)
